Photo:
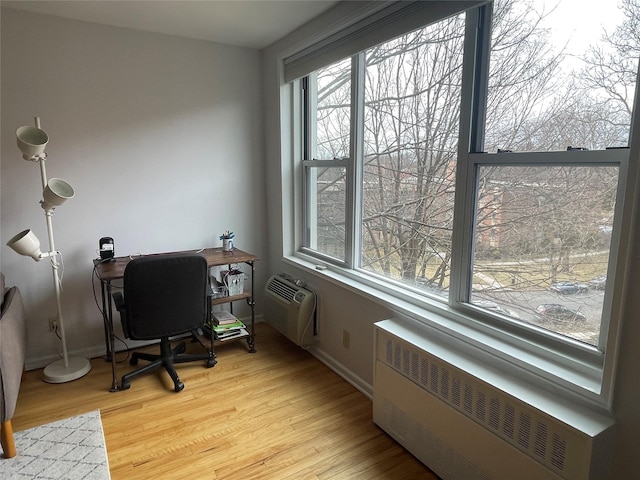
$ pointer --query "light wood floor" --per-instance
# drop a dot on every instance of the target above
(276, 414)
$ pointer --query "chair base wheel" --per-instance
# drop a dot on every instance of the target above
(179, 387)
(211, 362)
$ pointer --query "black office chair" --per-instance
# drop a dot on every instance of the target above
(164, 296)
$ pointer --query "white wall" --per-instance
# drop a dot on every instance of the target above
(161, 138)
(343, 309)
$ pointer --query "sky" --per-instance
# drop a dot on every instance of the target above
(581, 22)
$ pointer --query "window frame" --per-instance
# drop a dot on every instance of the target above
(457, 315)
(617, 158)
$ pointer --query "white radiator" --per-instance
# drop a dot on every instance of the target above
(290, 308)
(463, 428)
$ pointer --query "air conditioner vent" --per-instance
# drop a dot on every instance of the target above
(281, 289)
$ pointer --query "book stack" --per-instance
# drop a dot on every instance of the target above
(226, 326)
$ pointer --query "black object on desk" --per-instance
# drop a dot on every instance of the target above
(107, 249)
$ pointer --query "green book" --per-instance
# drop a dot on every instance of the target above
(229, 326)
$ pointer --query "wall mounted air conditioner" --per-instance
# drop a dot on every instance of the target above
(290, 309)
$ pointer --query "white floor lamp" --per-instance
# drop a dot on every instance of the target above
(32, 142)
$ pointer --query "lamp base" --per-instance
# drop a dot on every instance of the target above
(56, 372)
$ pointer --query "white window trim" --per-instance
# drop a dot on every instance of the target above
(589, 382)
(579, 380)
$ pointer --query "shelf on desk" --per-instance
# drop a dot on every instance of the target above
(205, 341)
(231, 298)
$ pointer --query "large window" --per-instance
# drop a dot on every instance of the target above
(328, 95)
(478, 162)
(411, 121)
(542, 244)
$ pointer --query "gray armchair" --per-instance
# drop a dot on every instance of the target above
(13, 347)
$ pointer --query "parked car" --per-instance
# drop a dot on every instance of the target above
(553, 311)
(598, 283)
(568, 288)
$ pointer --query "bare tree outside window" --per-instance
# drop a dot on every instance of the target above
(412, 116)
(326, 185)
(542, 228)
(541, 236)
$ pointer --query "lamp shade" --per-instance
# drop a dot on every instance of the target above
(56, 193)
(26, 243)
(31, 142)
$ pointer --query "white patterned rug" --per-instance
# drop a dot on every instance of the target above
(70, 449)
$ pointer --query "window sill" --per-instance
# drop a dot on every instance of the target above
(551, 369)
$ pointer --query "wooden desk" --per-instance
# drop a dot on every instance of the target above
(107, 272)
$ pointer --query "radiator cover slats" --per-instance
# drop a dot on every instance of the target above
(560, 450)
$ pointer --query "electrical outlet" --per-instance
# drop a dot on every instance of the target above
(53, 324)
(346, 339)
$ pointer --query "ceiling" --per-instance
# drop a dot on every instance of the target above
(254, 24)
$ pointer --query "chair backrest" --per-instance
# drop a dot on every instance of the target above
(164, 295)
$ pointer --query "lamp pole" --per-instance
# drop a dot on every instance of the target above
(56, 281)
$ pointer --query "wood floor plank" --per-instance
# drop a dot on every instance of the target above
(277, 414)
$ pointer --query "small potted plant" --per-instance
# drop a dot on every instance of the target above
(227, 241)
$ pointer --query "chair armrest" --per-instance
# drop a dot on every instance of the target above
(118, 300)
(13, 350)
(13, 347)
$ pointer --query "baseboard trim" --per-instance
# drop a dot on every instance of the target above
(365, 388)
(98, 351)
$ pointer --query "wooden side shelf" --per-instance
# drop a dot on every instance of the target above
(107, 272)
(233, 298)
(206, 342)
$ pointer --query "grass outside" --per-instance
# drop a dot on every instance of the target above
(532, 274)
(537, 274)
